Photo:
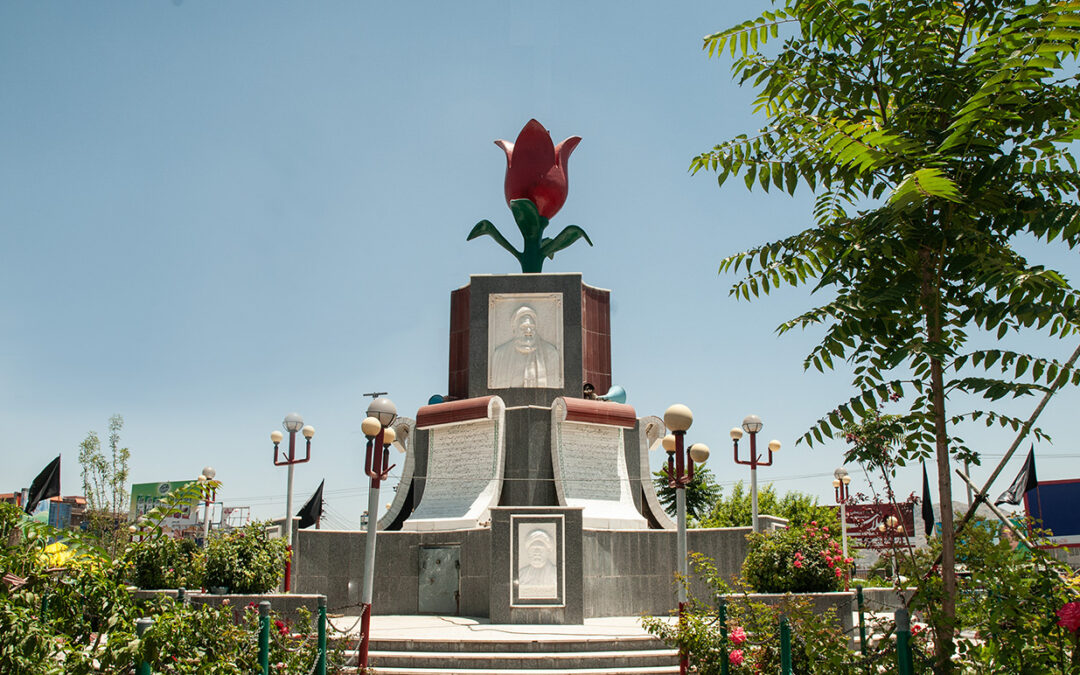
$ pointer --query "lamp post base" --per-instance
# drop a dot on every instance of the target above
(684, 657)
(365, 634)
(288, 569)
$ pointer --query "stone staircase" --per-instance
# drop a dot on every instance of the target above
(630, 655)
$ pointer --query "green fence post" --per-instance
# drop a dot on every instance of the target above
(785, 646)
(903, 642)
(721, 615)
(181, 595)
(862, 622)
(44, 607)
(320, 667)
(264, 637)
(140, 627)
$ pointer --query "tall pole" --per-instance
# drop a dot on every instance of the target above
(680, 473)
(292, 423)
(752, 425)
(209, 495)
(753, 482)
(369, 564)
(376, 427)
(206, 519)
(288, 520)
(680, 545)
(843, 527)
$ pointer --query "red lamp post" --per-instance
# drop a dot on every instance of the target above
(376, 427)
(293, 422)
(680, 472)
(843, 494)
(752, 425)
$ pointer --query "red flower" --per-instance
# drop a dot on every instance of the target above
(736, 657)
(738, 635)
(1069, 616)
(281, 627)
(536, 169)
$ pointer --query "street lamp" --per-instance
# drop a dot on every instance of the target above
(890, 529)
(210, 496)
(292, 423)
(752, 425)
(680, 472)
(376, 427)
(840, 484)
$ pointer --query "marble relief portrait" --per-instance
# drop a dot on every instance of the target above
(525, 340)
(537, 572)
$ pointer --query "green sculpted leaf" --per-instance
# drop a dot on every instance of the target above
(569, 235)
(532, 226)
(485, 227)
(528, 218)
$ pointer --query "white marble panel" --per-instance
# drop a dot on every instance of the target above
(464, 466)
(592, 473)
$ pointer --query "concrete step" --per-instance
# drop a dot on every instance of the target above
(451, 670)
(547, 645)
(567, 661)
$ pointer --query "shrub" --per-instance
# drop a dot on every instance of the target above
(748, 641)
(795, 560)
(245, 561)
(164, 562)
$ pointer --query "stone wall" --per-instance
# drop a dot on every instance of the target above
(624, 572)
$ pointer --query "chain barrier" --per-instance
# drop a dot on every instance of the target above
(359, 637)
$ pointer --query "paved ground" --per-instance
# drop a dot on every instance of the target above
(464, 628)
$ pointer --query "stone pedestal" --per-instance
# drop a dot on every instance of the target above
(536, 566)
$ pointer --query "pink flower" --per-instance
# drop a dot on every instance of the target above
(797, 563)
(536, 169)
(736, 657)
(798, 555)
(849, 560)
(1069, 616)
(738, 635)
(838, 572)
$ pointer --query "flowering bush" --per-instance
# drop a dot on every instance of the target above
(747, 642)
(164, 562)
(796, 560)
(245, 561)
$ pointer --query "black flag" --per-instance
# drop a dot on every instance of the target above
(927, 504)
(1024, 481)
(47, 484)
(312, 510)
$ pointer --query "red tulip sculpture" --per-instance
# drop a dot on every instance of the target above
(536, 187)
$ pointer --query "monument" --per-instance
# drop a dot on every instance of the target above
(524, 497)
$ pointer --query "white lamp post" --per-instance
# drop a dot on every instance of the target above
(209, 495)
(680, 472)
(376, 427)
(293, 423)
(752, 425)
(840, 488)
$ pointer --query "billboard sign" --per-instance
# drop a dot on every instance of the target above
(863, 519)
(146, 496)
(1052, 504)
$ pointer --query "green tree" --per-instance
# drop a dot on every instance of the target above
(104, 479)
(935, 133)
(799, 508)
(701, 492)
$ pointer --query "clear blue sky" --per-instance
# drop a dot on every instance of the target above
(215, 213)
